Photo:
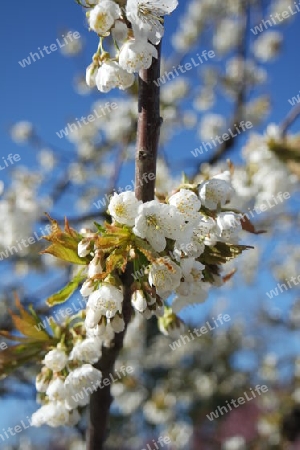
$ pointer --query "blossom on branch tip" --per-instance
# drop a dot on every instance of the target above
(146, 17)
(103, 16)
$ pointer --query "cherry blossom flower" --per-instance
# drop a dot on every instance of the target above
(136, 55)
(146, 17)
(124, 207)
(111, 75)
(103, 16)
(56, 360)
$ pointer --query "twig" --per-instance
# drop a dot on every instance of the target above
(226, 146)
(289, 120)
(146, 154)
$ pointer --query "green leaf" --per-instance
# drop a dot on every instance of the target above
(65, 293)
(64, 243)
(99, 227)
(66, 254)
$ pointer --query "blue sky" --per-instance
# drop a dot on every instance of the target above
(43, 92)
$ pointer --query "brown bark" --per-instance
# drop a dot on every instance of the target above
(101, 399)
(149, 122)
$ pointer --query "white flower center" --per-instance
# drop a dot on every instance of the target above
(152, 221)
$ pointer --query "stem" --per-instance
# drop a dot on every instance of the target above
(289, 120)
(149, 122)
(101, 399)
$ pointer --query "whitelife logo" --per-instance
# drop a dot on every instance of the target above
(279, 17)
(241, 400)
(9, 160)
(274, 292)
(183, 68)
(186, 338)
(102, 383)
(292, 101)
(242, 126)
(33, 57)
(85, 120)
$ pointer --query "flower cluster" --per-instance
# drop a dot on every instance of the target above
(175, 247)
(134, 30)
(66, 382)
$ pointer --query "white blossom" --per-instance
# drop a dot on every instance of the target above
(136, 55)
(227, 35)
(79, 385)
(191, 269)
(119, 31)
(234, 443)
(53, 414)
(106, 301)
(197, 293)
(138, 300)
(95, 267)
(111, 75)
(229, 226)
(145, 17)
(165, 278)
(206, 231)
(187, 202)
(124, 207)
(56, 390)
(21, 132)
(88, 350)
(55, 360)
(215, 192)
(211, 125)
(103, 16)
(87, 288)
(41, 383)
(84, 247)
(74, 418)
(117, 324)
(90, 75)
(267, 45)
(156, 222)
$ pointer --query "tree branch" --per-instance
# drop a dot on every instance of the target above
(289, 120)
(149, 122)
(226, 146)
(101, 399)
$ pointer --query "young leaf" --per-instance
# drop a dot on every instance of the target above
(64, 243)
(65, 293)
